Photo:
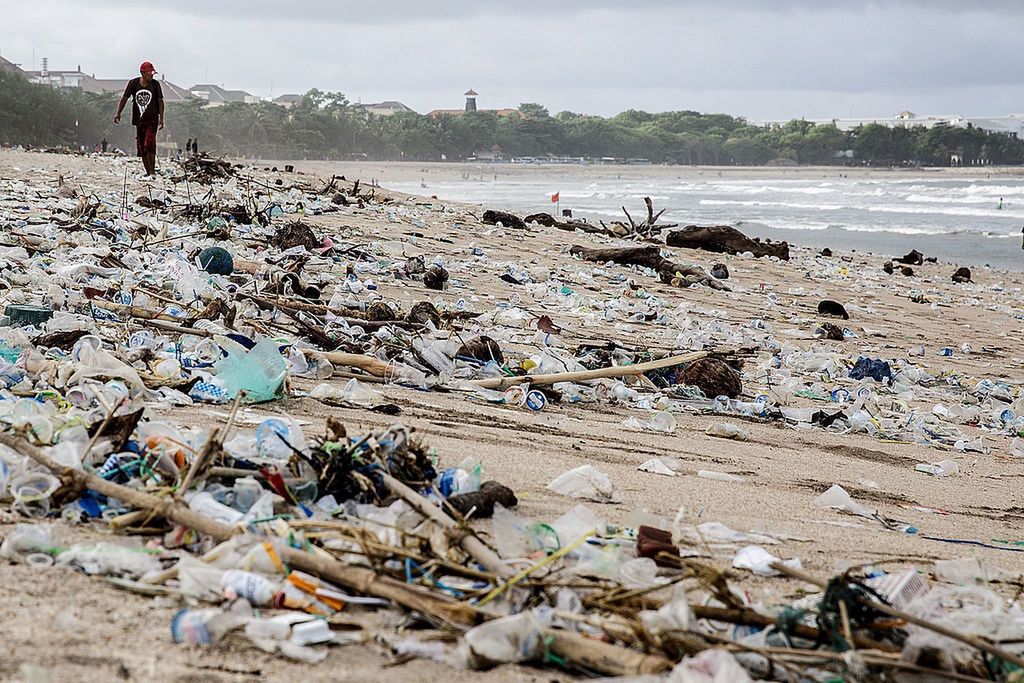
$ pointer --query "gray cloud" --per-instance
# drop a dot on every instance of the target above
(758, 58)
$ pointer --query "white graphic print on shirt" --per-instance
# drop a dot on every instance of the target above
(142, 100)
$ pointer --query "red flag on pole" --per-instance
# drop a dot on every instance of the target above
(554, 198)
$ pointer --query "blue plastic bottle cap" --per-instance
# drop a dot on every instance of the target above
(536, 400)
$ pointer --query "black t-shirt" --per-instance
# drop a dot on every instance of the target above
(145, 101)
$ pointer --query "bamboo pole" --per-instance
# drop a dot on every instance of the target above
(134, 311)
(470, 543)
(584, 375)
(749, 617)
(374, 366)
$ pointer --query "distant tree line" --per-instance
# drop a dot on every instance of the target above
(325, 125)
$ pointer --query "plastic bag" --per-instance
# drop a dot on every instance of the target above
(585, 482)
(727, 430)
(353, 393)
(710, 666)
(107, 559)
(758, 560)
(837, 497)
(662, 421)
(661, 466)
(673, 615)
(517, 638)
(259, 372)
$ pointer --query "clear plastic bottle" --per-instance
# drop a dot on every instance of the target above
(255, 588)
(209, 626)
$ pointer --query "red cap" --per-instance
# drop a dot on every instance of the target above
(147, 68)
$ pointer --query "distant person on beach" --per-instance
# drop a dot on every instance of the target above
(188, 147)
(1000, 207)
(103, 145)
(195, 146)
(147, 113)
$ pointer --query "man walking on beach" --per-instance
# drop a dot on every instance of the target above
(147, 113)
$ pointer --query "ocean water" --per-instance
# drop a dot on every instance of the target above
(956, 218)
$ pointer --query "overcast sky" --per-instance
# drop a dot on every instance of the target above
(756, 58)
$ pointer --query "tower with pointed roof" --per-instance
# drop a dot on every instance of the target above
(471, 100)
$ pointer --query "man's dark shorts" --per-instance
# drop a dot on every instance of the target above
(145, 139)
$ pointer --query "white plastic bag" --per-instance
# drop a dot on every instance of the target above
(585, 482)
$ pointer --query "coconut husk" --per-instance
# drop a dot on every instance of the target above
(481, 348)
(508, 220)
(435, 278)
(832, 331)
(423, 312)
(379, 311)
(295, 234)
(714, 377)
(481, 502)
(833, 309)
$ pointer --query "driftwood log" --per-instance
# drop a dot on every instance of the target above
(724, 239)
(646, 227)
(914, 258)
(668, 271)
(508, 220)
(549, 221)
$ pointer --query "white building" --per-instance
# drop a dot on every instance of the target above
(386, 108)
(1012, 123)
(217, 96)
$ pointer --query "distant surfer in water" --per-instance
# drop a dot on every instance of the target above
(1000, 207)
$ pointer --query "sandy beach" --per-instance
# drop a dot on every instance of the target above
(60, 624)
(394, 171)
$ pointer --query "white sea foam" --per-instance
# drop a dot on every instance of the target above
(947, 211)
(786, 205)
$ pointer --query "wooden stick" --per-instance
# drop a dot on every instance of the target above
(374, 366)
(584, 375)
(133, 311)
(128, 519)
(168, 327)
(973, 641)
(470, 543)
(603, 657)
(749, 617)
(212, 444)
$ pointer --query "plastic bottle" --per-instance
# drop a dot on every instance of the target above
(462, 479)
(205, 504)
(272, 438)
(727, 430)
(255, 588)
(247, 490)
(208, 626)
